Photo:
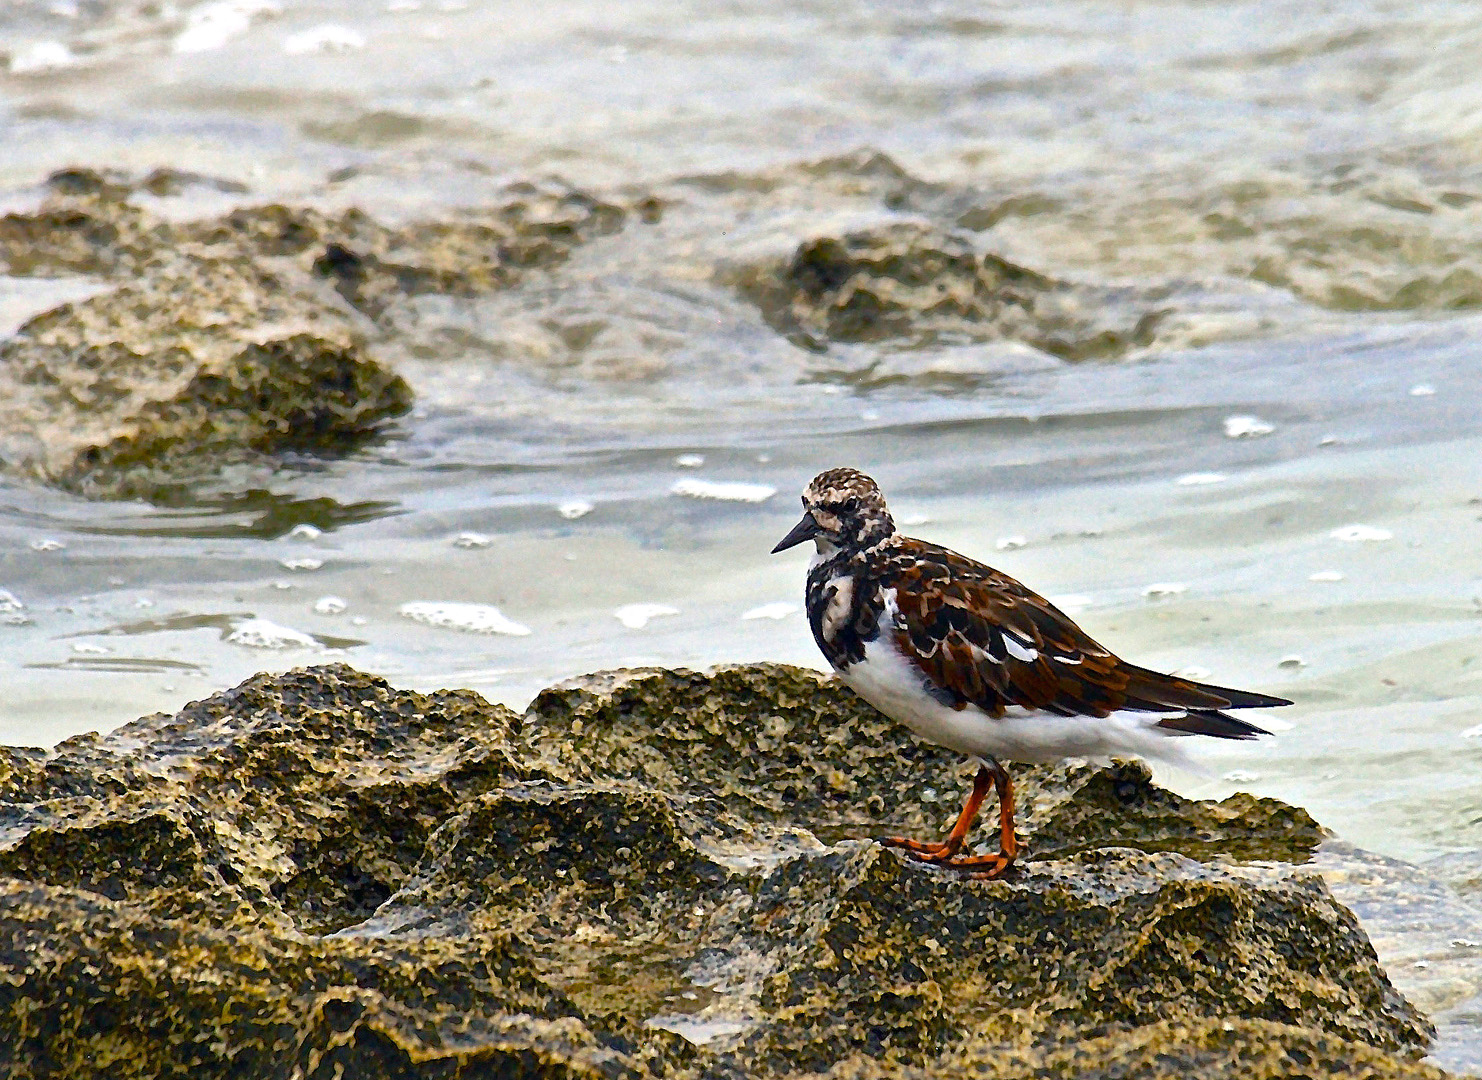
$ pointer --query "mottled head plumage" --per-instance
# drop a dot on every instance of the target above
(842, 508)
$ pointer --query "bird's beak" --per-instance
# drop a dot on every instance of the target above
(806, 529)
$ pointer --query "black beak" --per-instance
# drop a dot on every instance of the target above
(806, 529)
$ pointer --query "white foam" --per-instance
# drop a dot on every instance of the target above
(1070, 603)
(1240, 776)
(726, 492)
(1164, 588)
(915, 519)
(471, 618)
(690, 461)
(1422, 390)
(41, 56)
(305, 532)
(1009, 543)
(1326, 575)
(636, 616)
(1473, 732)
(264, 634)
(329, 605)
(1196, 479)
(328, 38)
(48, 545)
(780, 610)
(307, 562)
(87, 648)
(472, 540)
(1246, 427)
(1361, 534)
(210, 26)
(572, 509)
(1193, 671)
(10, 602)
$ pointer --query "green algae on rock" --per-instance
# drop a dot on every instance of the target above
(315, 875)
(196, 365)
(913, 284)
(235, 339)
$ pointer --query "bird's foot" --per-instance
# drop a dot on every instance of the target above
(920, 849)
(981, 867)
(949, 857)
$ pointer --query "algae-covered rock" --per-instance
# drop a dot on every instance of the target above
(233, 339)
(650, 873)
(915, 285)
(193, 366)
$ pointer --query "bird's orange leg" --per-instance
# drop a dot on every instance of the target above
(958, 836)
(947, 853)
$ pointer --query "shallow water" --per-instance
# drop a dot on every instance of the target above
(1297, 190)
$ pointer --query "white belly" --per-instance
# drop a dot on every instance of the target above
(892, 684)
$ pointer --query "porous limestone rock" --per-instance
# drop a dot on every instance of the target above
(915, 285)
(648, 874)
(237, 339)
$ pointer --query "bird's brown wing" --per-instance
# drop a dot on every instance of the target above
(980, 637)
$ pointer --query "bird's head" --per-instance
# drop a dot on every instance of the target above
(842, 509)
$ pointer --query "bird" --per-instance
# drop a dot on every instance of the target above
(968, 658)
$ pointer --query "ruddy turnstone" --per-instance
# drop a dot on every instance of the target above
(968, 658)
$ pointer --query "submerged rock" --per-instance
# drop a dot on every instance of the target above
(649, 873)
(915, 285)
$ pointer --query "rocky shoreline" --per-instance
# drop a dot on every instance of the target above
(648, 873)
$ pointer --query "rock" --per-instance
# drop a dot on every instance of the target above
(650, 873)
(196, 365)
(223, 341)
(916, 285)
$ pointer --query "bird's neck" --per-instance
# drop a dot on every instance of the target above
(839, 556)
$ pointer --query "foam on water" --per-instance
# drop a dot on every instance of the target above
(1246, 427)
(1161, 589)
(779, 610)
(636, 616)
(211, 25)
(470, 618)
(41, 56)
(256, 633)
(724, 491)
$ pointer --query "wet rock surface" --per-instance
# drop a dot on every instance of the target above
(649, 873)
(237, 338)
(915, 285)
